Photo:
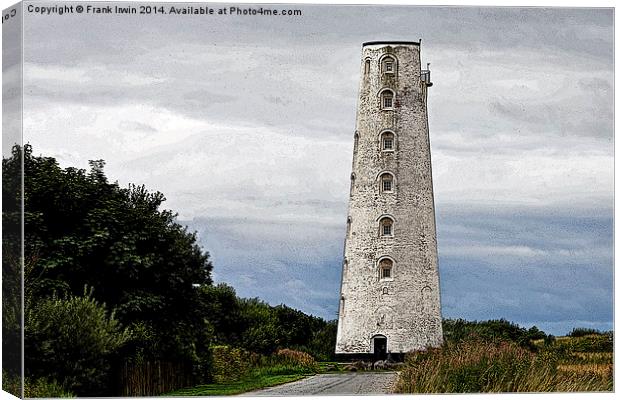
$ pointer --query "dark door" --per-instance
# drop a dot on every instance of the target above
(380, 345)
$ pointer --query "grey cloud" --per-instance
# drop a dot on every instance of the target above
(205, 97)
(136, 126)
(254, 141)
(547, 30)
(575, 117)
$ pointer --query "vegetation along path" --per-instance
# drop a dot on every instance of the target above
(349, 383)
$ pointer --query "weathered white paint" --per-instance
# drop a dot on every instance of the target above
(409, 315)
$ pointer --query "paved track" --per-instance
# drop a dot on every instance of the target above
(333, 384)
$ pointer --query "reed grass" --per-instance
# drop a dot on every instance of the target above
(477, 366)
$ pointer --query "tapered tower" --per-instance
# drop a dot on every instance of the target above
(389, 301)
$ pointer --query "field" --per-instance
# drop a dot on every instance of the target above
(475, 365)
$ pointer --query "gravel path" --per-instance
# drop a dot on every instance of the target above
(332, 384)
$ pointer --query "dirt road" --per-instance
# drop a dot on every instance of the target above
(333, 384)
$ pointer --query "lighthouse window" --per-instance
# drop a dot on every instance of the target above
(387, 230)
(387, 183)
(387, 141)
(385, 269)
(387, 100)
(389, 65)
(367, 66)
(386, 226)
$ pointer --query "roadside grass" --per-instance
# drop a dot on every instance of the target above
(238, 371)
(475, 365)
(331, 367)
(249, 383)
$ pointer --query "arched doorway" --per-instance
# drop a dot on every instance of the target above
(379, 345)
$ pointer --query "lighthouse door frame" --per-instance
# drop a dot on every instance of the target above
(379, 347)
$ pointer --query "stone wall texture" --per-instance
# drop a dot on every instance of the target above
(405, 308)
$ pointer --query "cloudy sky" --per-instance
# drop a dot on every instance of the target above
(246, 125)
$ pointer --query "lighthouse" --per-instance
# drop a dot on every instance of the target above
(389, 296)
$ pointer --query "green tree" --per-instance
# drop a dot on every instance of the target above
(11, 273)
(267, 328)
(83, 230)
(579, 332)
(456, 330)
(261, 332)
(323, 343)
(221, 308)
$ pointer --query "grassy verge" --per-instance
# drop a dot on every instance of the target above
(238, 371)
(330, 367)
(246, 384)
(476, 366)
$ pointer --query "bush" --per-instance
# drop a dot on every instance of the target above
(456, 330)
(229, 363)
(11, 383)
(232, 364)
(579, 332)
(297, 361)
(70, 341)
(296, 357)
(587, 344)
(44, 388)
(33, 388)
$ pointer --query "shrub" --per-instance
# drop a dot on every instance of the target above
(44, 388)
(71, 340)
(456, 330)
(36, 388)
(579, 332)
(11, 383)
(590, 344)
(229, 363)
(287, 361)
(232, 364)
(297, 357)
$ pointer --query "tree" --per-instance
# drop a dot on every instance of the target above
(11, 272)
(323, 343)
(220, 307)
(456, 330)
(261, 332)
(81, 230)
(267, 328)
(148, 270)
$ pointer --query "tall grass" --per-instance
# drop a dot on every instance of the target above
(232, 364)
(475, 366)
(237, 371)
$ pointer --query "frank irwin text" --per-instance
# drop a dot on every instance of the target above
(157, 9)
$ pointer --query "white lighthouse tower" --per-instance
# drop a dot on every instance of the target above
(390, 301)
